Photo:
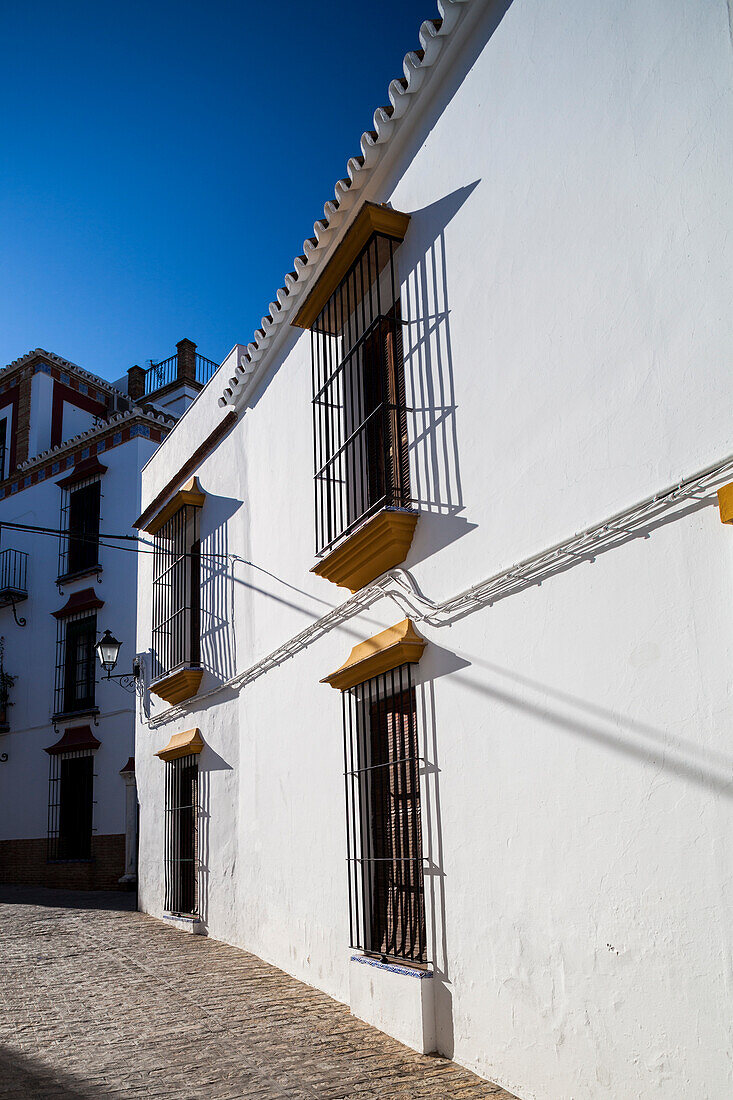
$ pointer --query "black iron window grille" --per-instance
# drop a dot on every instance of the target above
(74, 690)
(79, 543)
(177, 593)
(359, 415)
(71, 805)
(181, 835)
(6, 684)
(383, 827)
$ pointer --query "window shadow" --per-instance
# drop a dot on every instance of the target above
(218, 638)
(209, 761)
(441, 663)
(436, 488)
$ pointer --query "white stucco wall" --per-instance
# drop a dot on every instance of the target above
(566, 281)
(30, 652)
(39, 437)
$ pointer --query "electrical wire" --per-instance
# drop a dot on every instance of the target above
(56, 532)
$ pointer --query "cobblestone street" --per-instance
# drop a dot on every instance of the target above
(98, 1000)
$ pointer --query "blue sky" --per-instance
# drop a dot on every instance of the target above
(161, 163)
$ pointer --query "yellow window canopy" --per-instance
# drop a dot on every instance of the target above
(182, 744)
(372, 218)
(395, 646)
(191, 493)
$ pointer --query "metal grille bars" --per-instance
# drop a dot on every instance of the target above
(166, 372)
(176, 592)
(181, 835)
(13, 573)
(383, 830)
(79, 522)
(161, 374)
(70, 805)
(359, 418)
(74, 688)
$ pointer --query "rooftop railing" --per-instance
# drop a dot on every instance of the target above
(161, 374)
(185, 366)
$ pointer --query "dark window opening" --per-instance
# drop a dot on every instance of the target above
(70, 806)
(75, 670)
(181, 836)
(359, 412)
(177, 593)
(384, 838)
(79, 547)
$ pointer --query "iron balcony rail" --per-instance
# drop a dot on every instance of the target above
(205, 369)
(13, 576)
(164, 373)
(161, 374)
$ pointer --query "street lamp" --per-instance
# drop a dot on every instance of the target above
(108, 650)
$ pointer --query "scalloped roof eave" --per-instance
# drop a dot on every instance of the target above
(59, 361)
(119, 419)
(402, 93)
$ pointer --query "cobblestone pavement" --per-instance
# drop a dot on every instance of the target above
(97, 1000)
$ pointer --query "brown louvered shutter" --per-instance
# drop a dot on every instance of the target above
(397, 909)
(399, 491)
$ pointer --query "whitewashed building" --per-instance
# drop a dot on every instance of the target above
(437, 634)
(71, 449)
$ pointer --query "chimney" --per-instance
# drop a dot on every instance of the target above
(135, 382)
(186, 361)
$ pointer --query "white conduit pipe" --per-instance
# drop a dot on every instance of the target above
(398, 584)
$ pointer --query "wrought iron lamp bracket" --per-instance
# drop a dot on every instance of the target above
(128, 681)
(19, 621)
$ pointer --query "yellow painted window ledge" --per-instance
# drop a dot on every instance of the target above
(395, 646)
(179, 686)
(378, 545)
(182, 744)
(725, 503)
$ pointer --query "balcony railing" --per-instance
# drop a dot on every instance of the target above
(13, 576)
(161, 374)
(169, 370)
(205, 369)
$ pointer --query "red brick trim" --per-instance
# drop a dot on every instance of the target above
(12, 397)
(61, 394)
(25, 862)
(114, 436)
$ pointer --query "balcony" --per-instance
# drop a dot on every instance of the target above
(187, 365)
(13, 577)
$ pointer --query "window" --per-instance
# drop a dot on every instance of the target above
(384, 841)
(359, 415)
(75, 684)
(181, 835)
(70, 805)
(176, 592)
(79, 546)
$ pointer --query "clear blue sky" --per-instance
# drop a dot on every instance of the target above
(161, 163)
